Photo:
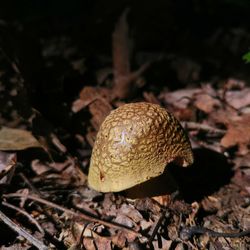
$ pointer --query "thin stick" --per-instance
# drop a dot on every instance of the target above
(74, 214)
(204, 127)
(30, 185)
(37, 192)
(37, 243)
(157, 226)
(30, 218)
(188, 232)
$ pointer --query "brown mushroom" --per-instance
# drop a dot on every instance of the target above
(134, 144)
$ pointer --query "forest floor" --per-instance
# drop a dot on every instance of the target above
(46, 150)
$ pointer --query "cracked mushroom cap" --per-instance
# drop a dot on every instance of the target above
(134, 144)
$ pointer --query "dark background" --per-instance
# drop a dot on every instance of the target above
(189, 42)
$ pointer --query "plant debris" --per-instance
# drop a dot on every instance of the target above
(60, 78)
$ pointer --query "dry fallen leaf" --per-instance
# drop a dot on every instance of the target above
(119, 239)
(206, 103)
(7, 166)
(103, 243)
(17, 139)
(238, 133)
(6, 160)
(99, 109)
(66, 173)
(150, 97)
(38, 167)
(87, 95)
(238, 98)
(179, 98)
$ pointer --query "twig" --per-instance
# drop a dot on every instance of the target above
(204, 127)
(37, 243)
(30, 185)
(188, 232)
(157, 226)
(75, 214)
(39, 207)
(80, 242)
(120, 48)
(123, 76)
(12, 63)
(165, 213)
(31, 219)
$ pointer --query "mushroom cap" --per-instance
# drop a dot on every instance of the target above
(134, 144)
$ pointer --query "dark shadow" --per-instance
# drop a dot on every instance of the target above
(209, 172)
(7, 235)
(161, 185)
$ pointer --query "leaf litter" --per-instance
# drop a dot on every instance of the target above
(51, 185)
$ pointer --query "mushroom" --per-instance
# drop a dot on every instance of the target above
(134, 144)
